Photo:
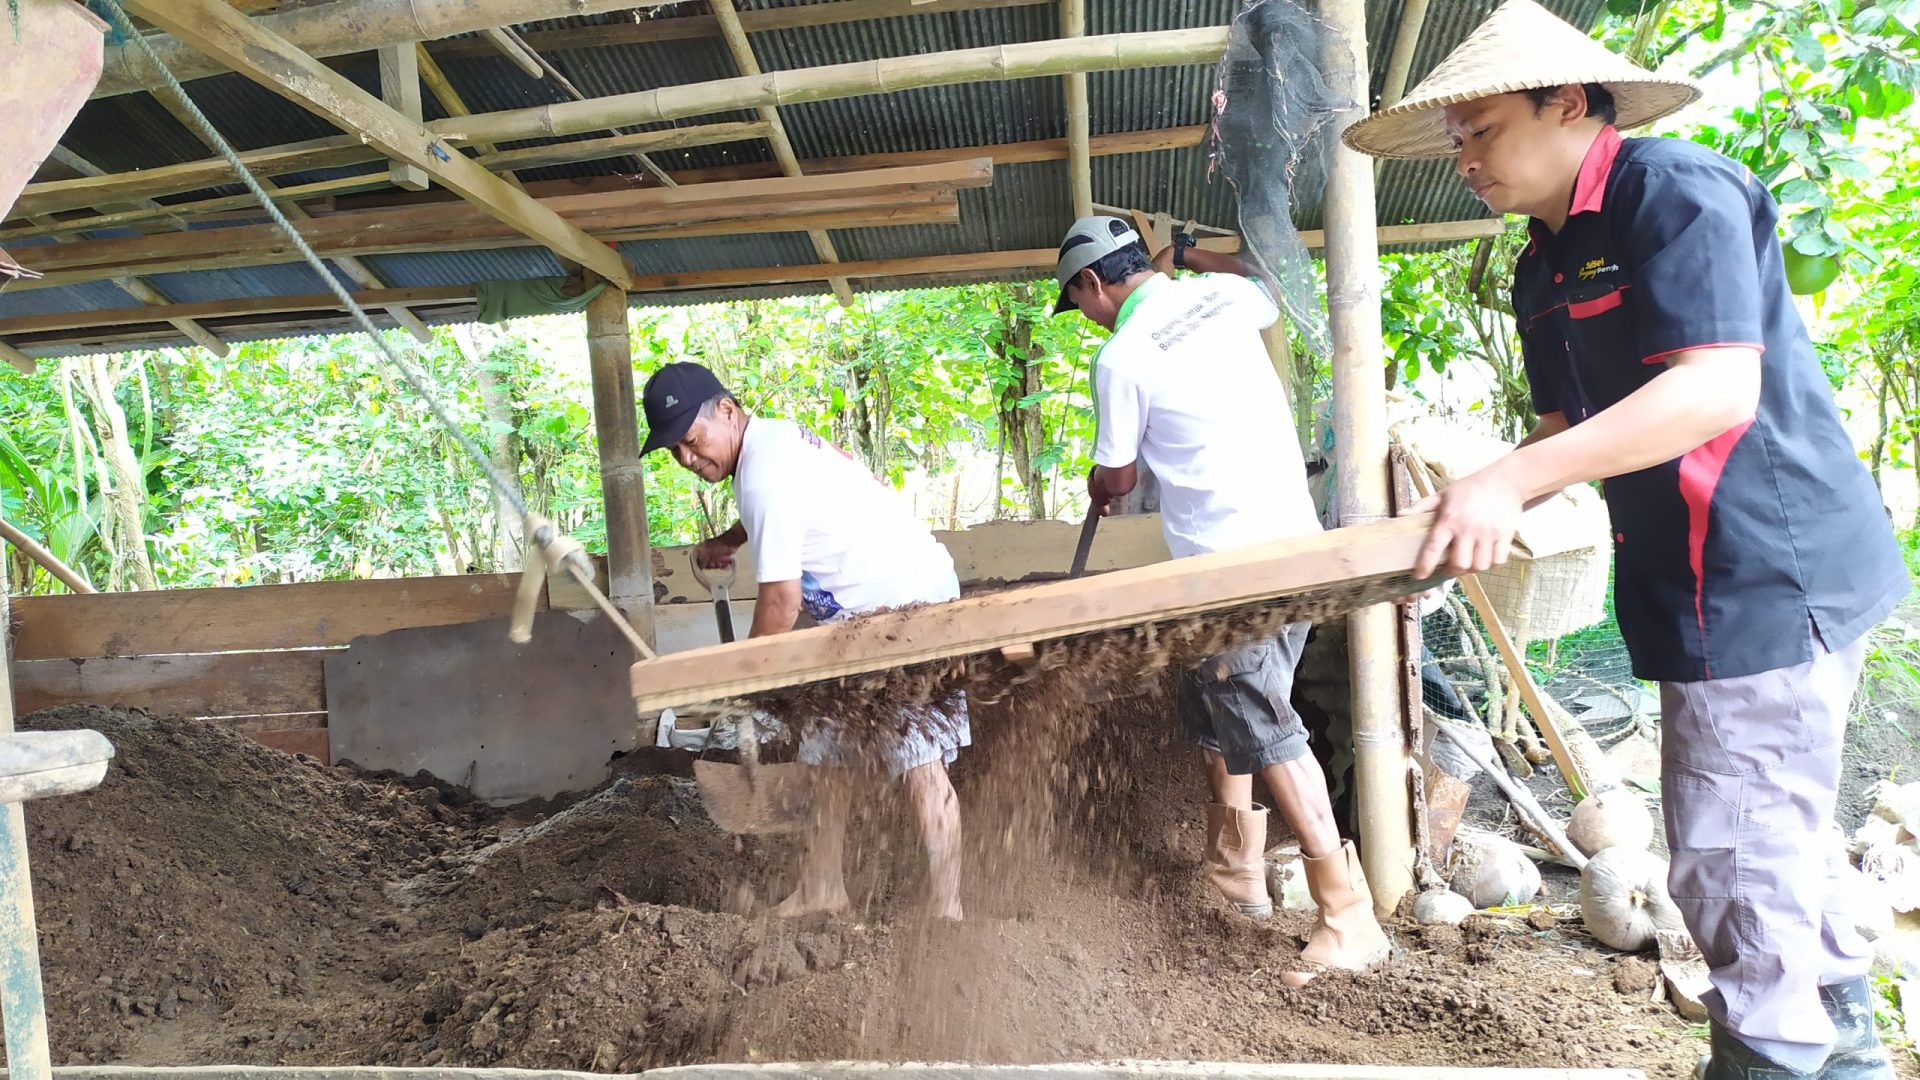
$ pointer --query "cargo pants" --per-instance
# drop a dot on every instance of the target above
(1750, 773)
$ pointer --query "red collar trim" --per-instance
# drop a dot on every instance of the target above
(1590, 187)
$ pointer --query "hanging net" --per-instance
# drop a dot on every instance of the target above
(1275, 102)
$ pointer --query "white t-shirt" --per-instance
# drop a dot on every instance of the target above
(1186, 387)
(814, 513)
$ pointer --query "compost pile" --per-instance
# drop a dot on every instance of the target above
(217, 902)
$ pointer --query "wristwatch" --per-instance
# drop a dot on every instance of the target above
(1181, 242)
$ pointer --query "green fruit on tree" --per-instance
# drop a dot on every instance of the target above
(1809, 274)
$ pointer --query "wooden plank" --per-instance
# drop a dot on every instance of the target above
(312, 741)
(568, 153)
(208, 684)
(928, 209)
(1379, 556)
(995, 553)
(400, 90)
(219, 31)
(443, 223)
(250, 618)
(215, 309)
(55, 196)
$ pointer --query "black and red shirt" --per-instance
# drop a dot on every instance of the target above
(1728, 558)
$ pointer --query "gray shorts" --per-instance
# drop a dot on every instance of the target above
(1235, 704)
(929, 733)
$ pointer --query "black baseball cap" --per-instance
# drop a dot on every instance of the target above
(672, 399)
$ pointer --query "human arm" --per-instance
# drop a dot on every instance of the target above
(775, 608)
(716, 552)
(1704, 394)
(1105, 484)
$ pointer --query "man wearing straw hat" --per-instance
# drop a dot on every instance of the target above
(1751, 554)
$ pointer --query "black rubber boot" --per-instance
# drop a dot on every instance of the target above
(1857, 1053)
(1732, 1059)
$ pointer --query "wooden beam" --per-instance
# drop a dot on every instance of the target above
(208, 684)
(58, 196)
(400, 89)
(742, 50)
(691, 27)
(442, 90)
(269, 60)
(136, 287)
(355, 271)
(622, 478)
(456, 226)
(220, 309)
(254, 617)
(506, 45)
(568, 153)
(152, 297)
(200, 211)
(996, 63)
(22, 363)
(928, 209)
(1367, 562)
(341, 26)
(1073, 24)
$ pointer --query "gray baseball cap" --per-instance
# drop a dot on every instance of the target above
(1090, 240)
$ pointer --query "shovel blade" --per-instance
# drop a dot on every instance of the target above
(761, 799)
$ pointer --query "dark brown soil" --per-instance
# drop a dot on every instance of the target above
(215, 901)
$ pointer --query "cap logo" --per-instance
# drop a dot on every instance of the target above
(672, 401)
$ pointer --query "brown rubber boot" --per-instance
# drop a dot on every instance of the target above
(1236, 864)
(1347, 936)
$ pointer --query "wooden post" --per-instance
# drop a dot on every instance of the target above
(1073, 24)
(400, 89)
(622, 484)
(21, 999)
(1382, 758)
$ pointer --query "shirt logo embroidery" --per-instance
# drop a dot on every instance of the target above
(1593, 268)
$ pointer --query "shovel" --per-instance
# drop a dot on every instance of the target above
(748, 797)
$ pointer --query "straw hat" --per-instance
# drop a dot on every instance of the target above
(1521, 46)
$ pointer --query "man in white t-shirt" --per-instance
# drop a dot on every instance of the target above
(1185, 386)
(833, 541)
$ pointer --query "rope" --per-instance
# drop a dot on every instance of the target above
(549, 538)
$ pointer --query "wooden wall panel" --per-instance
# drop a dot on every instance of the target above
(251, 617)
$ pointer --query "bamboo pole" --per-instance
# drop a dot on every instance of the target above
(21, 997)
(1383, 759)
(32, 549)
(442, 90)
(347, 26)
(622, 479)
(537, 157)
(995, 63)
(742, 50)
(1073, 24)
(1406, 38)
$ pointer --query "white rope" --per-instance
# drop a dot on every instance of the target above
(553, 544)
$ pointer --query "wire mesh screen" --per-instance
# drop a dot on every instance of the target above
(1586, 673)
(1275, 101)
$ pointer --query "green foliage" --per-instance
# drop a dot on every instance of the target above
(310, 459)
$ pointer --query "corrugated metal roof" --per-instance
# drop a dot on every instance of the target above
(1026, 206)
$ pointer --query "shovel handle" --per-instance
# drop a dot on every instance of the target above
(707, 582)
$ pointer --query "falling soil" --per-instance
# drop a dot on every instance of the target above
(214, 901)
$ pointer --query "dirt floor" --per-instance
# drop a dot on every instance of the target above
(216, 901)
